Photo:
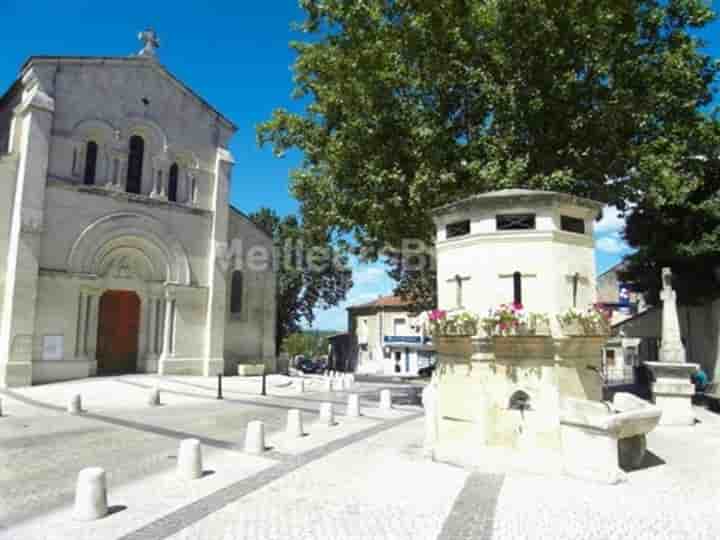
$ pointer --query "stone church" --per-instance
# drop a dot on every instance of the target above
(114, 227)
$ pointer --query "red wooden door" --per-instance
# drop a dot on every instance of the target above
(118, 330)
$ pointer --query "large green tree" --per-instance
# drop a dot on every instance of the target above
(311, 273)
(677, 221)
(411, 104)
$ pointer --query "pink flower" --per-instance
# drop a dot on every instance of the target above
(517, 306)
(437, 315)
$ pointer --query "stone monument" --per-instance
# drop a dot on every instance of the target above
(672, 390)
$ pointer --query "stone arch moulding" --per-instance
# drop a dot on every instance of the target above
(144, 234)
(156, 140)
(101, 131)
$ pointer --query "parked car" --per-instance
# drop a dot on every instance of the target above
(306, 365)
(427, 371)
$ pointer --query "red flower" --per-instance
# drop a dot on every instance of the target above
(517, 306)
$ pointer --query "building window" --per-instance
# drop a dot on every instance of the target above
(135, 164)
(459, 228)
(517, 288)
(91, 155)
(572, 224)
(173, 183)
(236, 293)
(514, 222)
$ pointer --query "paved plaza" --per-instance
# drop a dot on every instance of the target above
(364, 478)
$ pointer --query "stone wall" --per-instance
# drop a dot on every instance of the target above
(250, 335)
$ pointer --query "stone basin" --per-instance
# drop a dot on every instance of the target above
(600, 439)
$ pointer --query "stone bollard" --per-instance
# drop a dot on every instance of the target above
(154, 397)
(353, 407)
(385, 400)
(90, 495)
(429, 401)
(327, 385)
(75, 404)
(327, 415)
(294, 427)
(300, 385)
(337, 385)
(255, 438)
(347, 383)
(189, 465)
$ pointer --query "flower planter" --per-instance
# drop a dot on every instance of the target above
(454, 349)
(586, 346)
(523, 347)
(572, 329)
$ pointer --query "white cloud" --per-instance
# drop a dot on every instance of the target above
(369, 282)
(610, 222)
(612, 244)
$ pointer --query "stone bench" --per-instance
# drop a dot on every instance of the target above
(251, 370)
(599, 439)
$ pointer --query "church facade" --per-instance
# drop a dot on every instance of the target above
(114, 227)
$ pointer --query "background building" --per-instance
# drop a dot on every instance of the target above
(387, 338)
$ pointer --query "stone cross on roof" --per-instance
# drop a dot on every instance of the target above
(151, 41)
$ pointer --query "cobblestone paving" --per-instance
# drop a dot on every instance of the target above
(42, 448)
(368, 480)
(381, 487)
(472, 515)
(675, 497)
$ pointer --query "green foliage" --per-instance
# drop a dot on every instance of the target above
(412, 104)
(677, 222)
(309, 344)
(301, 285)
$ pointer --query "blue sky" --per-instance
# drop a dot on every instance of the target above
(235, 55)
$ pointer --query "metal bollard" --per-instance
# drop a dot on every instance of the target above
(219, 388)
(264, 385)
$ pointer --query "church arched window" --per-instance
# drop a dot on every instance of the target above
(236, 293)
(173, 182)
(91, 155)
(135, 164)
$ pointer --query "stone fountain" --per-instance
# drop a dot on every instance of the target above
(526, 402)
(672, 389)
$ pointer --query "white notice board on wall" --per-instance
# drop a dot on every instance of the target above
(53, 348)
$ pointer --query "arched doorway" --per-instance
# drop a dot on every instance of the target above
(118, 332)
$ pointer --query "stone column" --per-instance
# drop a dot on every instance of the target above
(92, 330)
(116, 178)
(159, 172)
(192, 188)
(81, 324)
(214, 338)
(152, 324)
(167, 352)
(17, 321)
